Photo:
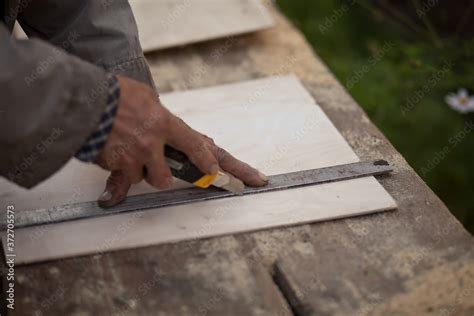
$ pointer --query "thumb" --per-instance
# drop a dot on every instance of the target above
(115, 191)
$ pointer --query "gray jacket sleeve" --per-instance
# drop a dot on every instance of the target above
(50, 103)
(54, 100)
(101, 32)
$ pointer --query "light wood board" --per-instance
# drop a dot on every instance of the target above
(167, 23)
(272, 123)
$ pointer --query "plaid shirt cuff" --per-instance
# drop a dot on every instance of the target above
(94, 144)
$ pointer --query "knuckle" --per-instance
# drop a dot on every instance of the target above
(127, 162)
(209, 139)
(200, 149)
(221, 154)
(203, 154)
(162, 120)
(146, 146)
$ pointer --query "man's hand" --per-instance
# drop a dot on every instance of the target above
(141, 129)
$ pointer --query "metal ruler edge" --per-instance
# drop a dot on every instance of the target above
(146, 201)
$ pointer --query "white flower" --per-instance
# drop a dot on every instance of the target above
(461, 101)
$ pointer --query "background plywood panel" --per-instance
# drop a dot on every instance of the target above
(167, 23)
(272, 123)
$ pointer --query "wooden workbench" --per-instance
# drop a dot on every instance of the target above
(415, 260)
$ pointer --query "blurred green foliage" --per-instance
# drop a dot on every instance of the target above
(401, 77)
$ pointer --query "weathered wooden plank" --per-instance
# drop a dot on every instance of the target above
(446, 289)
(395, 247)
(196, 278)
(168, 23)
(273, 298)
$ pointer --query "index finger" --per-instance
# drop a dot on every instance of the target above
(240, 169)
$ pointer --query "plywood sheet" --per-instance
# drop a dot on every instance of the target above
(167, 23)
(272, 123)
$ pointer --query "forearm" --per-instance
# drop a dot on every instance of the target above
(51, 103)
(55, 104)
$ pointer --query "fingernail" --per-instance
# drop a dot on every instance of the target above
(105, 197)
(263, 177)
